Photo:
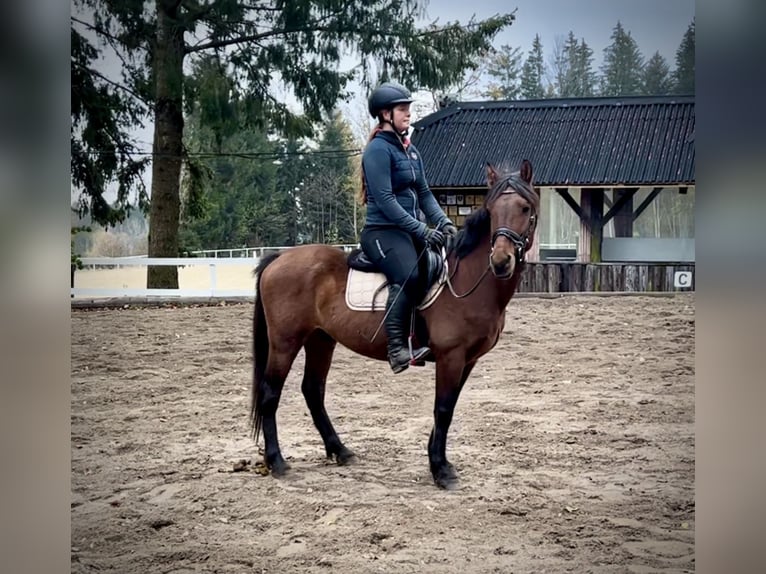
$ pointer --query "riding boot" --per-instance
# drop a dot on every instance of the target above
(399, 309)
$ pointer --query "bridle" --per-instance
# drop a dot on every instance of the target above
(520, 243)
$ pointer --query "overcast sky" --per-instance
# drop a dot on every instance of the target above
(654, 24)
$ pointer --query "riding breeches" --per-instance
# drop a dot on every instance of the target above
(395, 252)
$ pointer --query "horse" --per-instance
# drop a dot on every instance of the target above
(300, 304)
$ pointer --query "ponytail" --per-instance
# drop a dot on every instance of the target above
(362, 196)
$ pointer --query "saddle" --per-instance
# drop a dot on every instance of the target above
(366, 287)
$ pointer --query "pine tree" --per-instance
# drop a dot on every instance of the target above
(683, 75)
(532, 72)
(504, 65)
(656, 77)
(102, 150)
(586, 77)
(568, 68)
(623, 65)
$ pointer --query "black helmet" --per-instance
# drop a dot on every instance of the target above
(386, 96)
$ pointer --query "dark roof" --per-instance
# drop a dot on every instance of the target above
(634, 140)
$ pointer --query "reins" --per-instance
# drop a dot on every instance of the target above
(472, 289)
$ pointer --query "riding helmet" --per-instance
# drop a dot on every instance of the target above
(386, 96)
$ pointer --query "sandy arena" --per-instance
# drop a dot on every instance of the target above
(573, 438)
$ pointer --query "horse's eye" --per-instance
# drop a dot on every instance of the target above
(525, 209)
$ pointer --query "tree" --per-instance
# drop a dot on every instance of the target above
(557, 68)
(328, 193)
(504, 66)
(571, 68)
(683, 75)
(584, 77)
(103, 111)
(656, 76)
(295, 44)
(567, 77)
(623, 65)
(532, 72)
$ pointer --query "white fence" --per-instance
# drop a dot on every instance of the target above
(246, 258)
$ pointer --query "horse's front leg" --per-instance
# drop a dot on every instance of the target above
(451, 374)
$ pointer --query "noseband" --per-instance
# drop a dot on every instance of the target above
(520, 242)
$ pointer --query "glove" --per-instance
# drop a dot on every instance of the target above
(434, 238)
(449, 229)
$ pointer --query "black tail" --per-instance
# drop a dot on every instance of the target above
(260, 347)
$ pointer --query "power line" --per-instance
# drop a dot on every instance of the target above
(322, 154)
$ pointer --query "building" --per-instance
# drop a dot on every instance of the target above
(615, 175)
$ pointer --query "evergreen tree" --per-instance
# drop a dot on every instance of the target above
(103, 112)
(504, 66)
(301, 42)
(683, 75)
(585, 77)
(532, 72)
(656, 76)
(568, 80)
(623, 65)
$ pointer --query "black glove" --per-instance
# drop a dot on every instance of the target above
(449, 229)
(435, 238)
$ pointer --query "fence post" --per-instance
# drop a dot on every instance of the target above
(213, 280)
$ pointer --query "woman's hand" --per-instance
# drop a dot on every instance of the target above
(435, 238)
(449, 229)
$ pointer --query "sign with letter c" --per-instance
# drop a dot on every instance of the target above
(682, 279)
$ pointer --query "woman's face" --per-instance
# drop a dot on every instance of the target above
(401, 117)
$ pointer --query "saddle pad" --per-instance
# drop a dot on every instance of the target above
(361, 286)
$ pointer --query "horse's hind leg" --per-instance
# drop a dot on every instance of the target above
(319, 350)
(280, 360)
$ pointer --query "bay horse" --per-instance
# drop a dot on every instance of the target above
(300, 303)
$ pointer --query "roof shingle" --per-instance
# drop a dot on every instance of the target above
(638, 140)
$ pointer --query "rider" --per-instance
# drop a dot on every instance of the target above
(394, 188)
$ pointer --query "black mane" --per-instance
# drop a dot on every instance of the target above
(477, 225)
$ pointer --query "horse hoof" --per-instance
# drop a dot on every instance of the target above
(345, 457)
(447, 482)
(446, 477)
(279, 468)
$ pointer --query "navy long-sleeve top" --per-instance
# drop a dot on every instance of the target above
(397, 187)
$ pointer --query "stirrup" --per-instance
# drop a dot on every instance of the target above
(418, 360)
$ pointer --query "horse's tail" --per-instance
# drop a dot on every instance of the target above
(260, 348)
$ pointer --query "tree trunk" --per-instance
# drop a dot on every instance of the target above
(167, 145)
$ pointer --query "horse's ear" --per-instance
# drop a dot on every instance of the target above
(492, 176)
(526, 171)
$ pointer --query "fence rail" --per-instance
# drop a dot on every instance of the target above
(212, 263)
(539, 277)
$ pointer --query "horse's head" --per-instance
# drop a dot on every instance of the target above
(513, 205)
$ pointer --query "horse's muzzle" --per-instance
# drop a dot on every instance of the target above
(505, 269)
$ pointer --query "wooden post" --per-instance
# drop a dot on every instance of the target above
(623, 219)
(584, 239)
(592, 203)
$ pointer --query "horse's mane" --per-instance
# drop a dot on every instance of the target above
(477, 225)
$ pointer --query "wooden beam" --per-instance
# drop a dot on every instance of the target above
(644, 204)
(564, 192)
(596, 223)
(622, 200)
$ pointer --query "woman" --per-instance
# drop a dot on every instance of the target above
(394, 188)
